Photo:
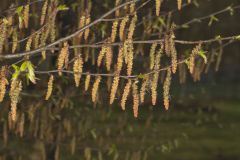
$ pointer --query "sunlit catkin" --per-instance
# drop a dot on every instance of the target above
(158, 7)
(143, 89)
(120, 60)
(3, 34)
(101, 55)
(95, 89)
(87, 82)
(26, 16)
(166, 88)
(114, 88)
(44, 11)
(122, 27)
(49, 87)
(154, 88)
(15, 89)
(62, 58)
(125, 94)
(128, 54)
(179, 4)
(109, 56)
(114, 31)
(77, 69)
(87, 31)
(132, 27)
(152, 55)
(3, 82)
(135, 99)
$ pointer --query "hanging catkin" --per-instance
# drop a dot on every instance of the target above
(135, 99)
(95, 89)
(128, 54)
(125, 94)
(49, 88)
(114, 31)
(62, 58)
(3, 82)
(77, 69)
(152, 55)
(15, 40)
(120, 60)
(87, 82)
(179, 4)
(3, 34)
(132, 27)
(158, 7)
(26, 16)
(15, 89)
(109, 57)
(44, 11)
(87, 31)
(101, 55)
(143, 89)
(122, 27)
(166, 88)
(114, 88)
(117, 12)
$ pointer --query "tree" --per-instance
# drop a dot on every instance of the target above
(131, 45)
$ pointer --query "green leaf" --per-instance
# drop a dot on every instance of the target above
(141, 76)
(202, 54)
(212, 19)
(237, 37)
(23, 66)
(62, 7)
(15, 75)
(19, 10)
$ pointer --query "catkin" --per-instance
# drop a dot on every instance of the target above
(114, 31)
(117, 12)
(3, 34)
(101, 55)
(120, 60)
(77, 69)
(109, 57)
(62, 58)
(28, 44)
(132, 27)
(95, 89)
(87, 82)
(125, 94)
(15, 89)
(114, 89)
(82, 23)
(166, 88)
(179, 4)
(87, 31)
(15, 41)
(128, 55)
(135, 99)
(122, 27)
(154, 88)
(26, 16)
(143, 89)
(3, 82)
(152, 55)
(191, 62)
(44, 11)
(49, 87)
(189, 1)
(158, 7)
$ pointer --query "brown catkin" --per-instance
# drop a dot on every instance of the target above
(49, 87)
(101, 55)
(191, 62)
(82, 23)
(87, 82)
(152, 55)
(44, 11)
(87, 31)
(114, 31)
(3, 82)
(132, 27)
(62, 58)
(95, 89)
(109, 57)
(179, 4)
(135, 99)
(128, 54)
(26, 16)
(15, 41)
(166, 88)
(120, 60)
(132, 8)
(122, 27)
(158, 7)
(143, 89)
(77, 69)
(3, 34)
(154, 88)
(28, 44)
(117, 12)
(15, 89)
(114, 89)
(125, 94)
